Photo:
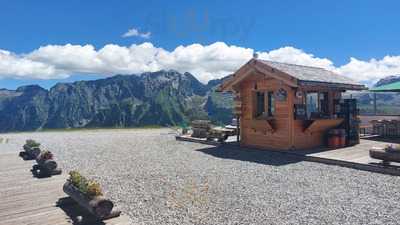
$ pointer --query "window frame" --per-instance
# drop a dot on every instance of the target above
(256, 111)
(321, 113)
(267, 111)
(271, 107)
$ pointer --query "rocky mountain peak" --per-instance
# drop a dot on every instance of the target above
(30, 88)
(388, 80)
(165, 97)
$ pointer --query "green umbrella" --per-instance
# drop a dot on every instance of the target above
(393, 87)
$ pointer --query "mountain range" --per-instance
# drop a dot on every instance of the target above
(162, 98)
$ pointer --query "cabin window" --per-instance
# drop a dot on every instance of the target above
(260, 104)
(264, 104)
(323, 103)
(271, 103)
(317, 104)
(312, 104)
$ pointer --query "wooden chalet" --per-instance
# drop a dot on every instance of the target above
(284, 106)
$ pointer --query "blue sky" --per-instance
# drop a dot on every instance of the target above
(332, 30)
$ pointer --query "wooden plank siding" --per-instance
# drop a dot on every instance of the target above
(271, 76)
(288, 133)
(255, 132)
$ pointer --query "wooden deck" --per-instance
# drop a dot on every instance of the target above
(25, 199)
(355, 156)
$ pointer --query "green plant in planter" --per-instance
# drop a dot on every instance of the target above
(75, 177)
(46, 155)
(32, 143)
(93, 188)
(88, 187)
(78, 181)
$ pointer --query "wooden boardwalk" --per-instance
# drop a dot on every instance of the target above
(25, 199)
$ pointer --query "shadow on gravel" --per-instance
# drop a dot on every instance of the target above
(230, 151)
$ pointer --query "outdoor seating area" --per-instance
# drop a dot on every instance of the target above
(203, 131)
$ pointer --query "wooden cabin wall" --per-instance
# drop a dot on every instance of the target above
(254, 132)
(289, 133)
(307, 140)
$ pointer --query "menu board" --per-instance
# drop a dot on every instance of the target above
(300, 112)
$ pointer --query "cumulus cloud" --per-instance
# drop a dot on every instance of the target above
(204, 61)
(372, 70)
(135, 33)
(14, 66)
(296, 56)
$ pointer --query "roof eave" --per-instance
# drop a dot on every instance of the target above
(228, 85)
(354, 87)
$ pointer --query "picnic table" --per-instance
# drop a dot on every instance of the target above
(220, 133)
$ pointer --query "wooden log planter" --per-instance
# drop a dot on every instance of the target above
(387, 155)
(95, 203)
(46, 166)
(31, 150)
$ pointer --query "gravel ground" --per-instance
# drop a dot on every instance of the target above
(157, 180)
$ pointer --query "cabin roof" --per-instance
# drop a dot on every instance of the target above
(308, 73)
(301, 75)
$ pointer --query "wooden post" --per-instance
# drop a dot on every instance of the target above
(374, 103)
(238, 128)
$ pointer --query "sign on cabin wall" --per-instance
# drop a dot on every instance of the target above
(299, 94)
(281, 95)
(300, 112)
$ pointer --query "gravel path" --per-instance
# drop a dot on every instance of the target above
(157, 180)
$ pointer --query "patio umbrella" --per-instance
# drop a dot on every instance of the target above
(393, 87)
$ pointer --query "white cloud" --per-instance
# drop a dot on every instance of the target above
(296, 56)
(19, 67)
(136, 33)
(204, 61)
(372, 70)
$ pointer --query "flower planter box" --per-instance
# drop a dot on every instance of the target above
(30, 153)
(45, 168)
(98, 206)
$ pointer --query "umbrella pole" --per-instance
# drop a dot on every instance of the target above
(374, 103)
